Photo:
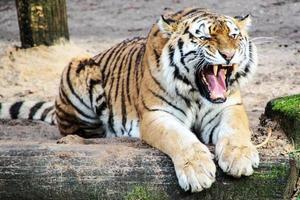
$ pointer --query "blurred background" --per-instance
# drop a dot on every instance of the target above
(95, 23)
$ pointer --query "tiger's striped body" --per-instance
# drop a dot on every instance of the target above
(102, 100)
(175, 87)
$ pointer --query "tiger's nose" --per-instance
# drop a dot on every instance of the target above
(227, 54)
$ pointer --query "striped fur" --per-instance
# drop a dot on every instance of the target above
(147, 88)
(34, 110)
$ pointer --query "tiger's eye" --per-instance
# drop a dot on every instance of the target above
(204, 38)
(234, 36)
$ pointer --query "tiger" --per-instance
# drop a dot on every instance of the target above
(178, 89)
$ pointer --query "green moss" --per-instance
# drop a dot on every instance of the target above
(275, 172)
(289, 105)
(145, 193)
(296, 156)
(286, 111)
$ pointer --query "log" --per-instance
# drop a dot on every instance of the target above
(42, 22)
(122, 169)
(286, 111)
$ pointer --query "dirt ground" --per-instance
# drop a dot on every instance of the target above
(96, 25)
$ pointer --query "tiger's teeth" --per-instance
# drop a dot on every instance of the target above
(235, 66)
(215, 70)
(228, 92)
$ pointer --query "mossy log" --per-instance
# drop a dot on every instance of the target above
(42, 22)
(122, 169)
(286, 111)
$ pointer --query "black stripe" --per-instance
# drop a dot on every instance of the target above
(204, 116)
(156, 81)
(63, 100)
(190, 52)
(110, 115)
(67, 117)
(169, 103)
(217, 115)
(191, 12)
(156, 33)
(83, 64)
(213, 118)
(130, 129)
(45, 112)
(111, 121)
(218, 123)
(157, 57)
(63, 116)
(176, 69)
(158, 110)
(15, 109)
(244, 73)
(185, 99)
(196, 18)
(34, 109)
(110, 59)
(180, 77)
(103, 67)
(101, 108)
(92, 84)
(114, 63)
(99, 97)
(75, 107)
(100, 56)
(180, 46)
(212, 131)
(186, 30)
(72, 89)
(138, 66)
(124, 59)
(177, 13)
(123, 107)
(128, 74)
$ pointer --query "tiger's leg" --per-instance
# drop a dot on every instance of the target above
(235, 153)
(81, 103)
(193, 162)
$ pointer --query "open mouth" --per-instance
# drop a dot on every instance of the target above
(212, 82)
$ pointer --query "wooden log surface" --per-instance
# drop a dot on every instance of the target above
(42, 22)
(117, 169)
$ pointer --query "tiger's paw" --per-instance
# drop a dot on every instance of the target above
(237, 158)
(195, 168)
(71, 139)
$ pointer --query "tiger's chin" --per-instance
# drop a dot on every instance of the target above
(212, 82)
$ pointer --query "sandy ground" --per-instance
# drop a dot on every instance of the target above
(96, 25)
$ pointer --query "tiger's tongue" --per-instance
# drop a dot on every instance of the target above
(216, 84)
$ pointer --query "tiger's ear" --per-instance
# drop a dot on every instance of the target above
(244, 21)
(167, 26)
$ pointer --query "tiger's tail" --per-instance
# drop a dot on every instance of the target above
(33, 110)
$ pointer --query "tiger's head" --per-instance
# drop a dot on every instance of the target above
(211, 52)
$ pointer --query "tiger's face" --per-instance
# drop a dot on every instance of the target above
(212, 51)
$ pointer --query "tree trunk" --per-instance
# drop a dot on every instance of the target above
(42, 22)
(122, 169)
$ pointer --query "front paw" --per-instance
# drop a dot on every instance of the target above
(237, 158)
(195, 168)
